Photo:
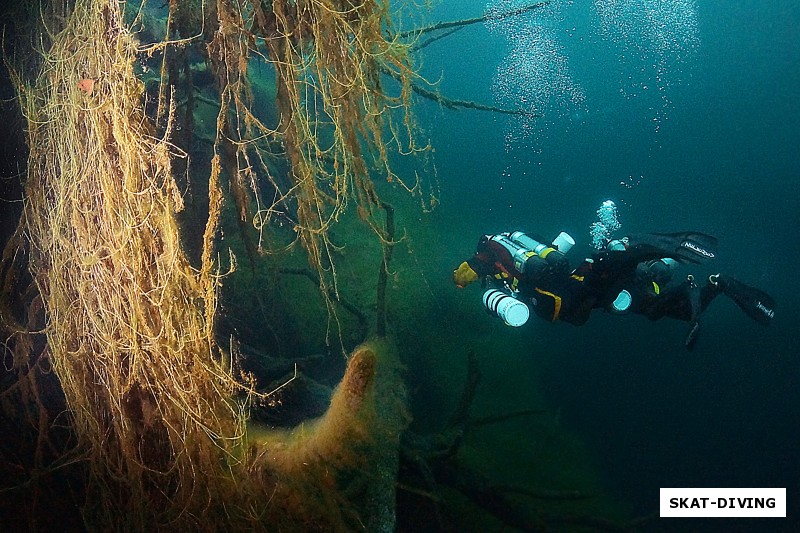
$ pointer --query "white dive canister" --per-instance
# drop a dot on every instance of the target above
(513, 312)
(564, 242)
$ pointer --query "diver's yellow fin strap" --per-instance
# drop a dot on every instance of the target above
(556, 303)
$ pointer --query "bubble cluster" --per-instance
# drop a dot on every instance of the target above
(665, 27)
(535, 74)
(664, 33)
(607, 223)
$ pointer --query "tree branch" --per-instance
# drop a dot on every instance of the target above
(383, 273)
(451, 103)
(426, 42)
(355, 311)
(467, 22)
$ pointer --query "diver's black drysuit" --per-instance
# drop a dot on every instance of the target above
(558, 293)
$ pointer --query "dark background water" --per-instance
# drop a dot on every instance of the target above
(708, 142)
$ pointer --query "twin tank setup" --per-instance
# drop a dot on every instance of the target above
(530, 257)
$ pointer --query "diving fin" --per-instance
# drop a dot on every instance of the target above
(687, 246)
(757, 304)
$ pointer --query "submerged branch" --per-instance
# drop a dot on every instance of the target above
(452, 27)
(475, 20)
(460, 416)
(349, 306)
(431, 463)
(430, 40)
(383, 273)
(452, 103)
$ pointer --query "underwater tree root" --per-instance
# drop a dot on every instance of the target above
(431, 462)
(157, 409)
(338, 473)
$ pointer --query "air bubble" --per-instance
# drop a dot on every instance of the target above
(535, 75)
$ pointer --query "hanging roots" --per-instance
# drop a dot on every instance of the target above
(335, 116)
(158, 412)
(129, 323)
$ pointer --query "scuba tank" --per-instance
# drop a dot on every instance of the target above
(561, 244)
(617, 245)
(657, 270)
(532, 257)
(552, 253)
(525, 260)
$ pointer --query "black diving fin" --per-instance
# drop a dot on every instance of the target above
(757, 304)
(687, 246)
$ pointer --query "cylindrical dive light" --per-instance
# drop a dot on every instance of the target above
(513, 312)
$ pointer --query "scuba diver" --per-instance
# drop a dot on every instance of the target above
(629, 275)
